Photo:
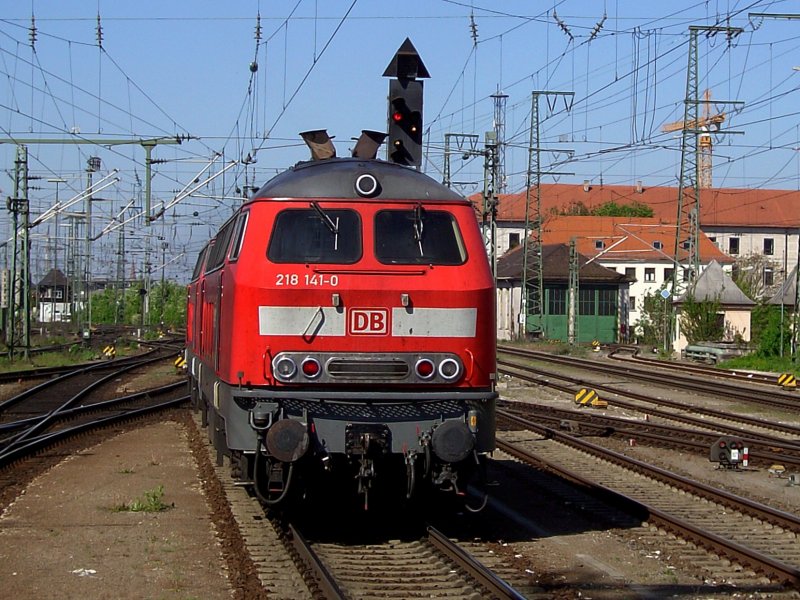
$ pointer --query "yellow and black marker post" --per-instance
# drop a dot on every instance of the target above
(587, 397)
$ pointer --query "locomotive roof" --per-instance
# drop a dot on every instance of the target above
(336, 178)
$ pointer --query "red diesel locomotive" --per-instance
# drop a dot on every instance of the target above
(341, 327)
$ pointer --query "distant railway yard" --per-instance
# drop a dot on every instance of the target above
(614, 477)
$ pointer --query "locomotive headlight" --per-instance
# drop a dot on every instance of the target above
(449, 369)
(311, 368)
(425, 368)
(284, 368)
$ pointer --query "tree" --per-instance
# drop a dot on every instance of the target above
(608, 209)
(701, 320)
(748, 274)
(612, 209)
(167, 305)
(650, 326)
(766, 323)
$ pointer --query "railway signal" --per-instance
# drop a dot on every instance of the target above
(405, 105)
(729, 452)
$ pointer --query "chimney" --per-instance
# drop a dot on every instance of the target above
(639, 188)
(586, 186)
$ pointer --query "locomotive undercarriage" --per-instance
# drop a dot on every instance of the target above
(285, 447)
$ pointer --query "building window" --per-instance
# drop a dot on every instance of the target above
(630, 272)
(769, 246)
(557, 301)
(769, 276)
(632, 302)
(606, 302)
(668, 274)
(733, 245)
(649, 274)
(599, 244)
(586, 302)
(513, 240)
(658, 245)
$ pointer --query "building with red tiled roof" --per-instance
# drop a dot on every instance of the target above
(639, 248)
(739, 222)
(601, 310)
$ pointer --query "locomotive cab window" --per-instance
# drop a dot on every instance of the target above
(315, 235)
(418, 236)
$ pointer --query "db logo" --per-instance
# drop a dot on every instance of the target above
(369, 321)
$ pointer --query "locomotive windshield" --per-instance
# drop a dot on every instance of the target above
(418, 236)
(316, 235)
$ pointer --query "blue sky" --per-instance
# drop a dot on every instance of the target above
(184, 68)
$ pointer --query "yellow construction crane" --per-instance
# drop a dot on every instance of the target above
(706, 125)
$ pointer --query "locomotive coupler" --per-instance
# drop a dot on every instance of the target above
(411, 473)
(261, 419)
(366, 441)
(447, 479)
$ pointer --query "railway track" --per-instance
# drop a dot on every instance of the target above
(772, 431)
(658, 435)
(755, 537)
(752, 394)
(291, 565)
(633, 354)
(76, 402)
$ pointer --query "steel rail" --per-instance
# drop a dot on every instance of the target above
(687, 367)
(495, 585)
(89, 408)
(770, 566)
(775, 399)
(670, 437)
(54, 414)
(322, 576)
(751, 507)
(40, 442)
(523, 371)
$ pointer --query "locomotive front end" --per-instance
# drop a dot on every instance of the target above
(359, 336)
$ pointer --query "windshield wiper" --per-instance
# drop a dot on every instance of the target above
(419, 212)
(333, 226)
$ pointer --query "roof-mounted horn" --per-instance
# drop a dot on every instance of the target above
(320, 144)
(368, 143)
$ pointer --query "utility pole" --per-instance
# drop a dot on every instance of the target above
(57, 181)
(500, 99)
(687, 238)
(574, 289)
(147, 143)
(19, 311)
(466, 144)
(83, 270)
(490, 185)
(686, 254)
(531, 318)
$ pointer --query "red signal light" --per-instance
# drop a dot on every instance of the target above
(397, 116)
